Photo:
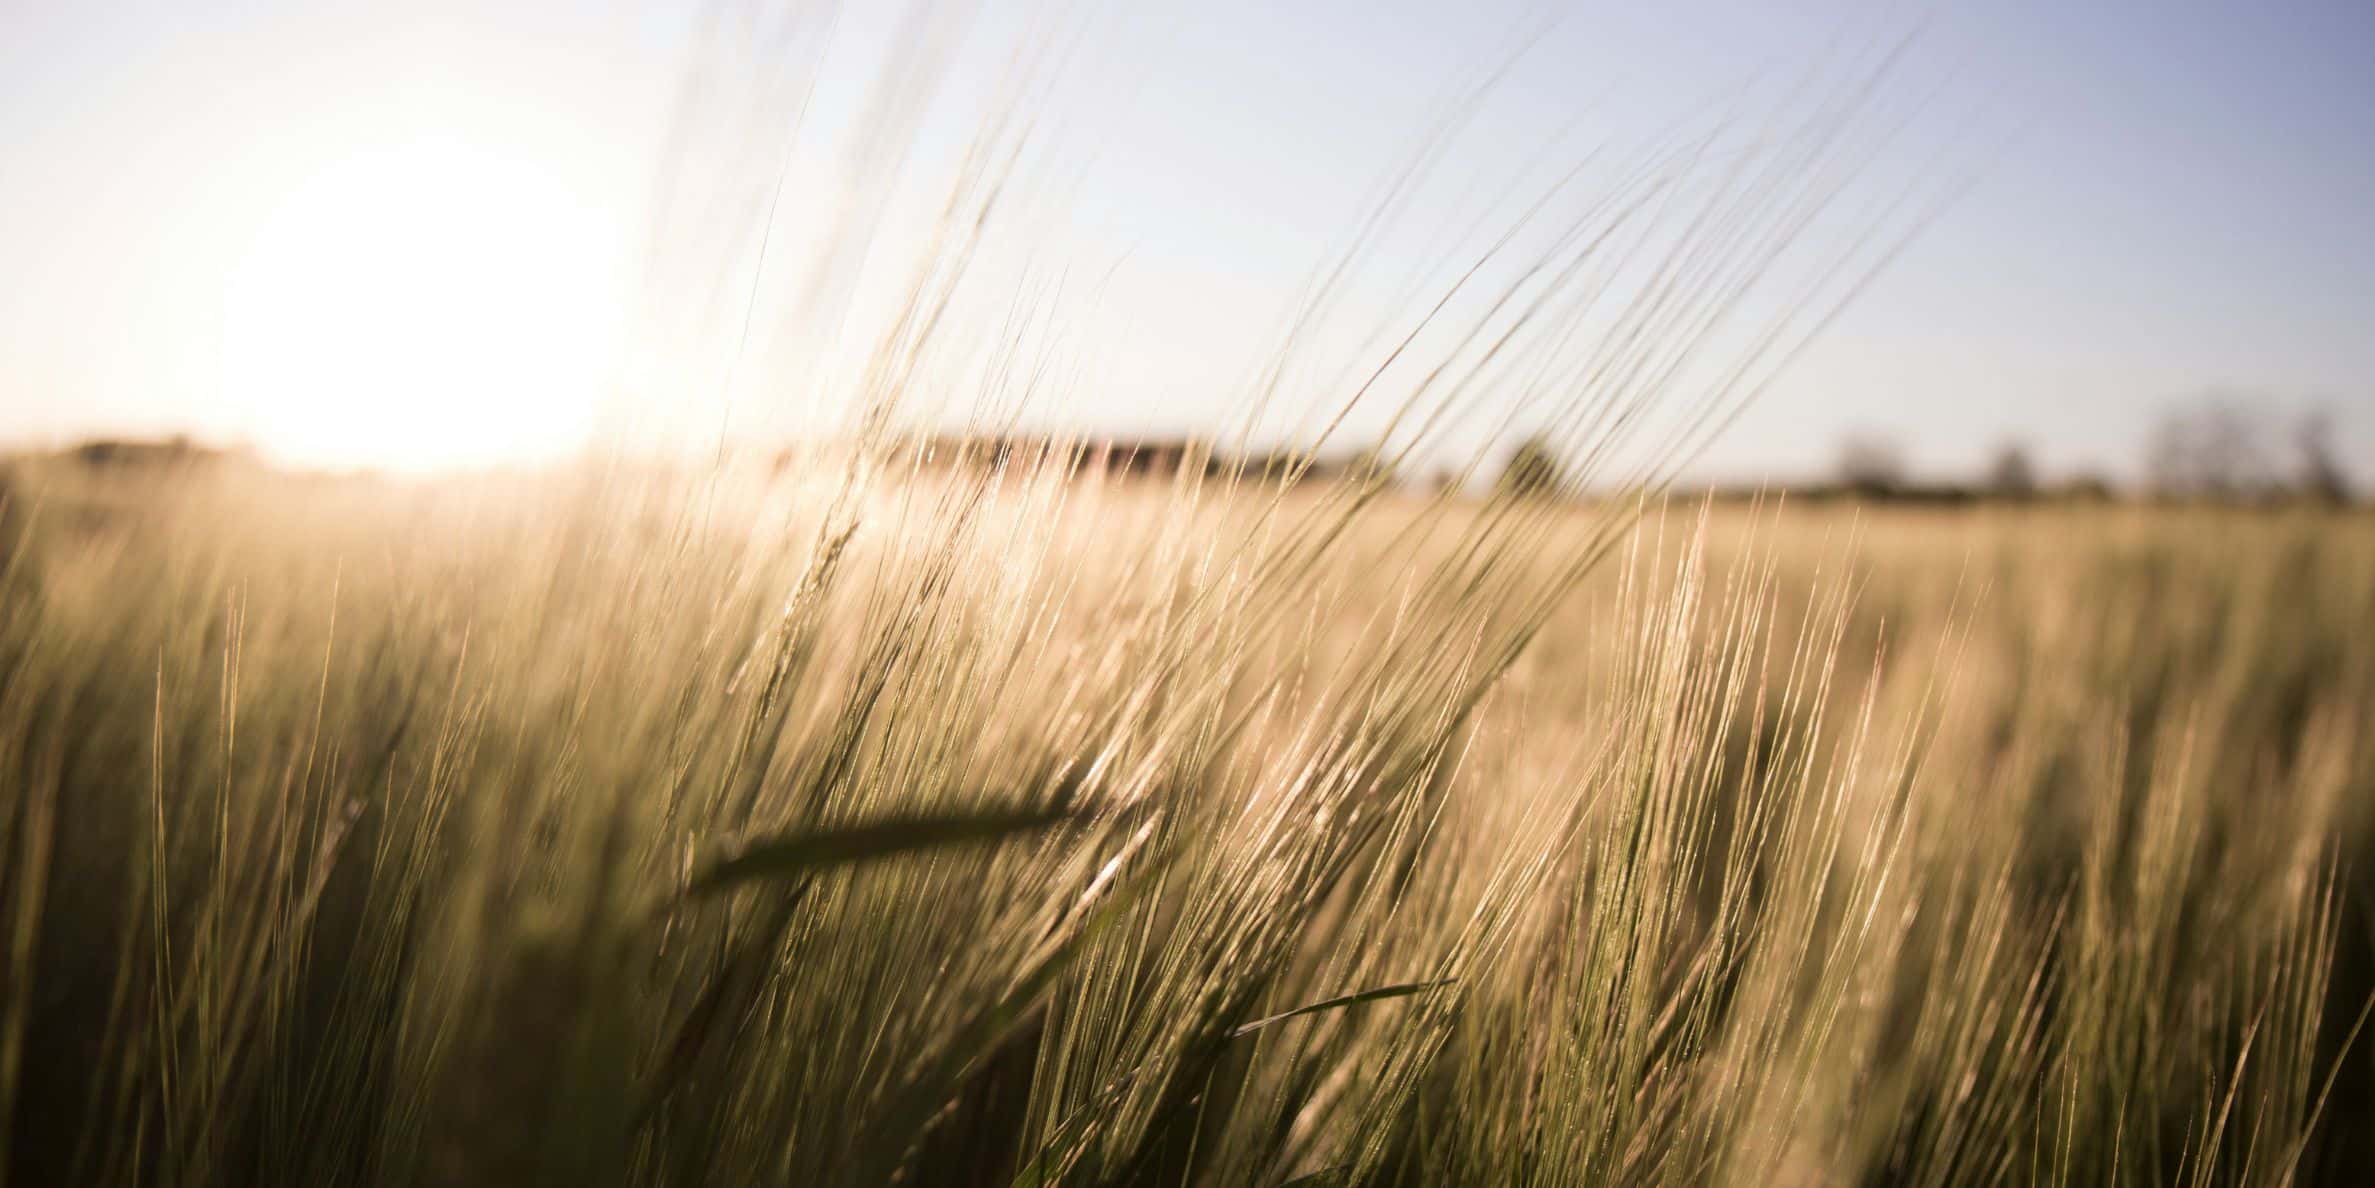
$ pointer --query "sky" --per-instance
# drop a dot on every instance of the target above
(436, 233)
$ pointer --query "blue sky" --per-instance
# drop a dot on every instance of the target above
(2179, 200)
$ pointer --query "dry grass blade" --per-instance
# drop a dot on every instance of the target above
(1341, 1001)
(807, 850)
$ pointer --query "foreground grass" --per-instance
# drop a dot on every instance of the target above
(1014, 831)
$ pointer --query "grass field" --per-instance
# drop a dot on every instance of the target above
(997, 829)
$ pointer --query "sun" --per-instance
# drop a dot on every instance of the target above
(421, 306)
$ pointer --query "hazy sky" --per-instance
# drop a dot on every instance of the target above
(189, 192)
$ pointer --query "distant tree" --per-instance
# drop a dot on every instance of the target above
(1870, 466)
(2084, 488)
(1370, 464)
(1276, 465)
(2012, 475)
(2211, 448)
(2322, 479)
(1534, 471)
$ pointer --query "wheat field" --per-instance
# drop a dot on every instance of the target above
(1007, 826)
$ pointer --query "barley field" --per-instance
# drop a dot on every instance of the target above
(1005, 826)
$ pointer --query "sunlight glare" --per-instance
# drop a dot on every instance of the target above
(423, 306)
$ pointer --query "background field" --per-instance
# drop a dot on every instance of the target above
(975, 828)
